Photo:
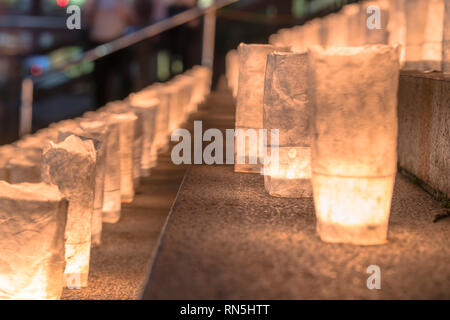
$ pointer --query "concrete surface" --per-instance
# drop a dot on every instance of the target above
(226, 238)
(424, 128)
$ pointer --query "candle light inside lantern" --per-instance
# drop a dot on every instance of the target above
(31, 241)
(354, 141)
(287, 173)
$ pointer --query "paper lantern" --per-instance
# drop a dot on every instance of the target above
(434, 32)
(354, 141)
(446, 39)
(283, 38)
(146, 108)
(158, 91)
(186, 90)
(416, 20)
(232, 70)
(195, 80)
(355, 24)
(4, 171)
(31, 241)
(71, 166)
(97, 133)
(136, 136)
(249, 107)
(126, 126)
(336, 29)
(312, 32)
(286, 109)
(112, 194)
(397, 26)
(6, 152)
(379, 34)
(24, 165)
(173, 89)
(205, 74)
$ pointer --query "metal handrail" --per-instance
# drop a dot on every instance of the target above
(103, 50)
(135, 37)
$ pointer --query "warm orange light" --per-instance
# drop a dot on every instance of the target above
(31, 241)
(354, 141)
(112, 194)
(232, 70)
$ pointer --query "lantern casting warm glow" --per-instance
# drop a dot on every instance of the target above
(354, 99)
(31, 241)
(71, 166)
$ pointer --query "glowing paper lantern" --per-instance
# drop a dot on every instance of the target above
(96, 132)
(232, 70)
(282, 38)
(185, 95)
(354, 141)
(356, 24)
(126, 124)
(146, 108)
(119, 107)
(205, 74)
(158, 91)
(312, 32)
(24, 165)
(249, 107)
(434, 31)
(4, 171)
(31, 241)
(71, 166)
(336, 29)
(6, 152)
(416, 21)
(397, 26)
(175, 107)
(446, 39)
(376, 34)
(286, 109)
(112, 195)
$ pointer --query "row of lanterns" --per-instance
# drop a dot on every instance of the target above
(330, 89)
(59, 185)
(421, 27)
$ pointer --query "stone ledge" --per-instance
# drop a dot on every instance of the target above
(424, 128)
(226, 238)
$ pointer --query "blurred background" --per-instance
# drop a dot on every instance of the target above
(36, 43)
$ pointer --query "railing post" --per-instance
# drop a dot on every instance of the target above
(26, 107)
(209, 35)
